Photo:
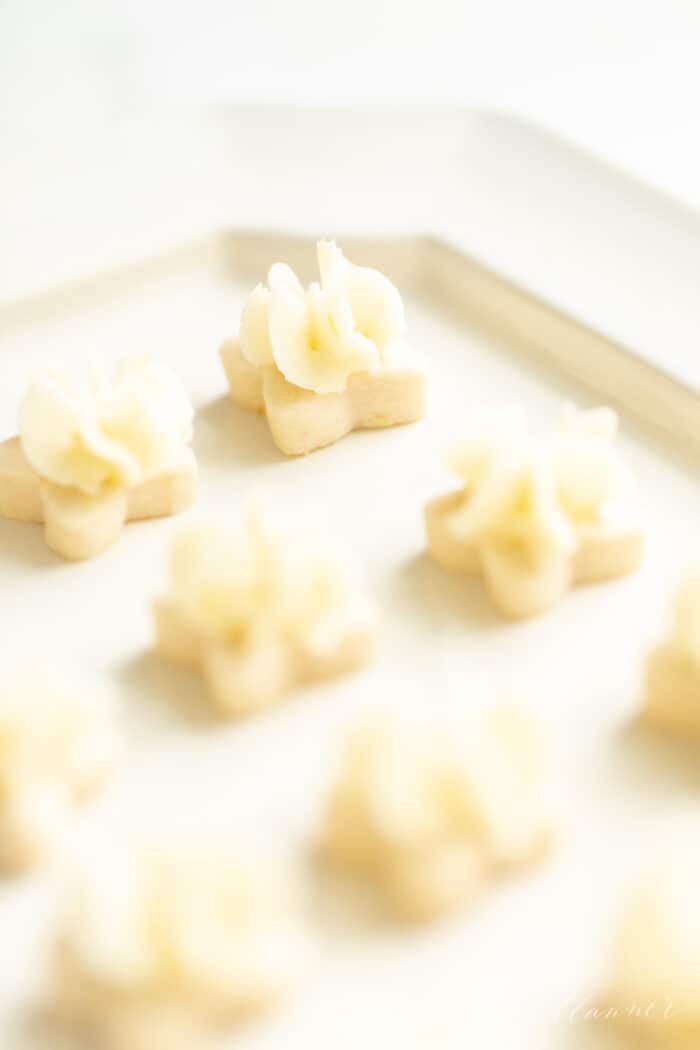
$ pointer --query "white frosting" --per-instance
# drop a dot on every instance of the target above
(685, 634)
(319, 336)
(535, 494)
(463, 796)
(57, 740)
(656, 958)
(107, 427)
(260, 580)
(588, 471)
(162, 918)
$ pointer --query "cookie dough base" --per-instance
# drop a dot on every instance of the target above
(518, 587)
(243, 679)
(417, 888)
(672, 696)
(301, 420)
(79, 526)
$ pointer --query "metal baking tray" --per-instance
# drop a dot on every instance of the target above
(510, 969)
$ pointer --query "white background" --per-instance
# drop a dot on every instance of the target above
(621, 76)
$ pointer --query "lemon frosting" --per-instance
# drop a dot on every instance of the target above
(236, 585)
(534, 493)
(319, 336)
(107, 427)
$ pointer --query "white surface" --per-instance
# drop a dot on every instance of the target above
(620, 76)
(528, 950)
(79, 185)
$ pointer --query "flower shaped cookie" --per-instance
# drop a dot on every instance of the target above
(57, 744)
(535, 518)
(673, 669)
(164, 944)
(653, 992)
(259, 612)
(322, 361)
(429, 812)
(96, 451)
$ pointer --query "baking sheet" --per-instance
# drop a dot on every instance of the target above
(594, 241)
(512, 968)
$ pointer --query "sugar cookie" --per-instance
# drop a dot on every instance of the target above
(163, 945)
(326, 360)
(57, 743)
(259, 612)
(536, 518)
(428, 812)
(97, 451)
(653, 991)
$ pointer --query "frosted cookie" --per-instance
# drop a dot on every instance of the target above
(258, 612)
(653, 990)
(165, 944)
(57, 743)
(96, 451)
(430, 811)
(536, 517)
(673, 670)
(322, 361)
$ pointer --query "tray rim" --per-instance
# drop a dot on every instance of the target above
(234, 181)
(663, 402)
